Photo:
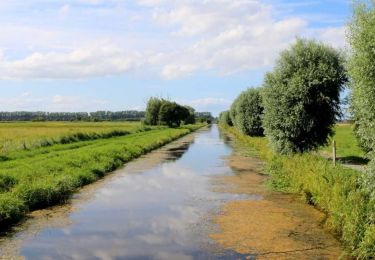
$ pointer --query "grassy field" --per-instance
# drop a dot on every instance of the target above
(36, 178)
(29, 135)
(336, 190)
(346, 144)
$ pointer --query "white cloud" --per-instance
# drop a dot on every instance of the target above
(213, 104)
(94, 61)
(176, 39)
(334, 36)
(64, 11)
(55, 103)
(228, 36)
(210, 101)
(174, 71)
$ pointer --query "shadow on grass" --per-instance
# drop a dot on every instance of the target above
(353, 160)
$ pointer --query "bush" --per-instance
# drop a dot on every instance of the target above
(362, 73)
(247, 111)
(224, 118)
(301, 96)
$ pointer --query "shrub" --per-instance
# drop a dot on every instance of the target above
(301, 96)
(224, 118)
(247, 111)
(362, 73)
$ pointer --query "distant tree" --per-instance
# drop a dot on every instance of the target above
(72, 116)
(152, 111)
(302, 96)
(362, 73)
(204, 117)
(190, 119)
(224, 118)
(172, 114)
(247, 112)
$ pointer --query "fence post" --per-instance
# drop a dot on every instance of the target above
(334, 152)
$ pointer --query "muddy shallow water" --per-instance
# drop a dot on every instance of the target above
(274, 226)
(193, 199)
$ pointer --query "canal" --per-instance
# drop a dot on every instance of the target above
(167, 204)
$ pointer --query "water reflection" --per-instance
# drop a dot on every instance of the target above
(156, 207)
(176, 153)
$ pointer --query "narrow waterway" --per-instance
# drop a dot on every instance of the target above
(161, 206)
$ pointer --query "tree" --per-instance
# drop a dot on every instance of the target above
(302, 96)
(172, 114)
(190, 119)
(152, 111)
(204, 117)
(224, 118)
(247, 111)
(361, 69)
(362, 73)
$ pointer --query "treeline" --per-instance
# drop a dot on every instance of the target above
(299, 102)
(204, 117)
(160, 111)
(297, 107)
(130, 115)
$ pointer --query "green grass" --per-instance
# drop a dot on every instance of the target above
(347, 147)
(337, 191)
(38, 178)
(16, 136)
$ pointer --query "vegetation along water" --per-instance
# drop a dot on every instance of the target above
(36, 178)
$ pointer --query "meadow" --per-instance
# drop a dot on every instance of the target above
(15, 136)
(46, 175)
(336, 190)
(347, 150)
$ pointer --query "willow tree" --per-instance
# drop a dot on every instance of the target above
(152, 111)
(247, 111)
(301, 96)
(362, 73)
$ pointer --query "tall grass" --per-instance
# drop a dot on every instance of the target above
(338, 191)
(46, 176)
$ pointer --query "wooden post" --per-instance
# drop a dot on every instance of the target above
(334, 152)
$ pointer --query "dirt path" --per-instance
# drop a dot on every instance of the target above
(269, 225)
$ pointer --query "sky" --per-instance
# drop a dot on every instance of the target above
(88, 55)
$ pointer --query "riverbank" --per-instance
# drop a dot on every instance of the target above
(269, 224)
(336, 191)
(46, 176)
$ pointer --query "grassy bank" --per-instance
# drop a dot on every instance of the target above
(15, 136)
(336, 190)
(38, 178)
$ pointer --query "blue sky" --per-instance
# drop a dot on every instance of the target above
(87, 55)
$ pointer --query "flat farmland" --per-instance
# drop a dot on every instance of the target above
(15, 136)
